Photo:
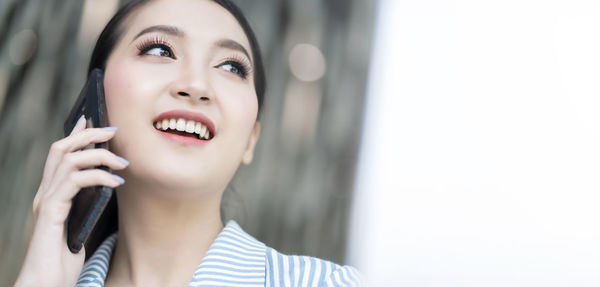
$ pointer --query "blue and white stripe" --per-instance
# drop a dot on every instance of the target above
(236, 258)
(305, 271)
(96, 267)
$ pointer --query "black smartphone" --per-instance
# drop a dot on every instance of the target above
(87, 222)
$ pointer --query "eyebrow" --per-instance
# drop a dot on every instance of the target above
(174, 31)
(171, 30)
(233, 45)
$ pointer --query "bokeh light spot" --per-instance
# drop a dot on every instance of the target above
(307, 62)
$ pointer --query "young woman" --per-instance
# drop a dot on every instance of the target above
(184, 84)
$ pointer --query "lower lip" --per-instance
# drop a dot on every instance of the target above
(188, 141)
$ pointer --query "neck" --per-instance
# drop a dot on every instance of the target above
(162, 240)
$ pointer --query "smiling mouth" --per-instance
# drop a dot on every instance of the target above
(185, 128)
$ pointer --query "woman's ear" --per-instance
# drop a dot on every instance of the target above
(249, 153)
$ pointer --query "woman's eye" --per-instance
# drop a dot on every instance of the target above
(157, 50)
(235, 68)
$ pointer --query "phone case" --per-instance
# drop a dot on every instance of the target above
(87, 222)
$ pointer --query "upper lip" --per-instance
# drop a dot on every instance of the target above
(187, 115)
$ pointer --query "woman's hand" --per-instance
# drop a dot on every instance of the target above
(68, 168)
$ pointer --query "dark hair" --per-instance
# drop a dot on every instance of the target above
(114, 30)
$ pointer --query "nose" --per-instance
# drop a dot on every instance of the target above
(185, 94)
(192, 83)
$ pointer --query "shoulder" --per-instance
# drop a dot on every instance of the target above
(298, 270)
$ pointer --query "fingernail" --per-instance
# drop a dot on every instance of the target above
(82, 118)
(118, 178)
(110, 129)
(124, 161)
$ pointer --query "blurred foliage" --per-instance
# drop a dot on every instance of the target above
(296, 195)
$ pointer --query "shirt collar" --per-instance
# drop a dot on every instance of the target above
(234, 257)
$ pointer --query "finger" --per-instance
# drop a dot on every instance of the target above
(73, 162)
(54, 206)
(80, 125)
(93, 157)
(80, 179)
(83, 138)
(75, 141)
(89, 158)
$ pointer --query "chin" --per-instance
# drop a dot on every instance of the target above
(179, 176)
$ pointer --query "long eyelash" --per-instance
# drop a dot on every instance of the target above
(243, 62)
(157, 41)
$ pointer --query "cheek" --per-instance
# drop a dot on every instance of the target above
(116, 86)
(128, 89)
(240, 105)
(129, 96)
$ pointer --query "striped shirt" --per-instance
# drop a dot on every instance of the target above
(236, 258)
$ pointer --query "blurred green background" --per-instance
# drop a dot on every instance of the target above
(296, 195)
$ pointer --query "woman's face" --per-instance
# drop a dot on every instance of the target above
(185, 55)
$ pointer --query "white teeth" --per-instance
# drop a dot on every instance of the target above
(165, 124)
(202, 131)
(181, 124)
(189, 126)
